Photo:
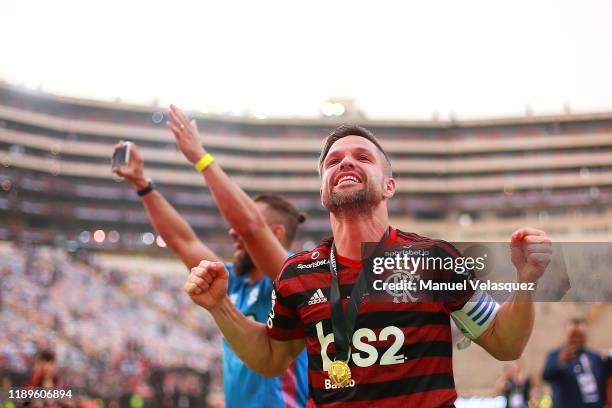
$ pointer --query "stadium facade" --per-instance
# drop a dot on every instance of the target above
(461, 180)
(474, 180)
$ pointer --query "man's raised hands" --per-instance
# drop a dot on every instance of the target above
(186, 134)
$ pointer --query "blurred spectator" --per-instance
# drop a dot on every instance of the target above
(46, 376)
(514, 385)
(575, 373)
(45, 371)
(608, 378)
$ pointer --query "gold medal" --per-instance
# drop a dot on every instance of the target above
(339, 373)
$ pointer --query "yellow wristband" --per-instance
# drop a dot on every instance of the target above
(204, 162)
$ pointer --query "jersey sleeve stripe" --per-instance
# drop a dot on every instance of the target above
(284, 335)
(281, 309)
(285, 322)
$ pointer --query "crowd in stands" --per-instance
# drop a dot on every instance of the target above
(111, 329)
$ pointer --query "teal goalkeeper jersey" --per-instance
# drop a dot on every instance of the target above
(244, 387)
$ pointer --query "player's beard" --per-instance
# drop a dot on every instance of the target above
(354, 202)
(243, 264)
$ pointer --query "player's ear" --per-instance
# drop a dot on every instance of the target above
(321, 194)
(389, 188)
(279, 231)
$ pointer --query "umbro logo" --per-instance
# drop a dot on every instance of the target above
(317, 297)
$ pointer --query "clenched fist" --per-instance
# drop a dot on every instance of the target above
(207, 284)
(531, 253)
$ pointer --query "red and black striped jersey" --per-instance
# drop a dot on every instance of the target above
(401, 352)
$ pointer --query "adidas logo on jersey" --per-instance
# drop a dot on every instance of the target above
(317, 297)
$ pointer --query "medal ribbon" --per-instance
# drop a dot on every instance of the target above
(344, 324)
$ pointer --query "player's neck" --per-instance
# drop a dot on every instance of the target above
(255, 275)
(351, 231)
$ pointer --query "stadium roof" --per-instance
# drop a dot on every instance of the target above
(321, 121)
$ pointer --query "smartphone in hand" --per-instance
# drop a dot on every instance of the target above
(121, 155)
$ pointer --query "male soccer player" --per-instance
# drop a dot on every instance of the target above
(401, 352)
(260, 228)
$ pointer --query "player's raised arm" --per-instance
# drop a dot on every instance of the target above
(509, 333)
(168, 223)
(207, 287)
(236, 206)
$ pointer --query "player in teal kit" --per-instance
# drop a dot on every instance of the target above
(290, 389)
(261, 230)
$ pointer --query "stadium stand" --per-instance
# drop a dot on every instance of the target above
(112, 329)
(458, 180)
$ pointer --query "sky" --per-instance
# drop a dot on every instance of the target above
(396, 59)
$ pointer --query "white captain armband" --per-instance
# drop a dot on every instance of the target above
(476, 315)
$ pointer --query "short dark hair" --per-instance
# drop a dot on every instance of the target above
(578, 320)
(45, 355)
(351, 130)
(283, 212)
